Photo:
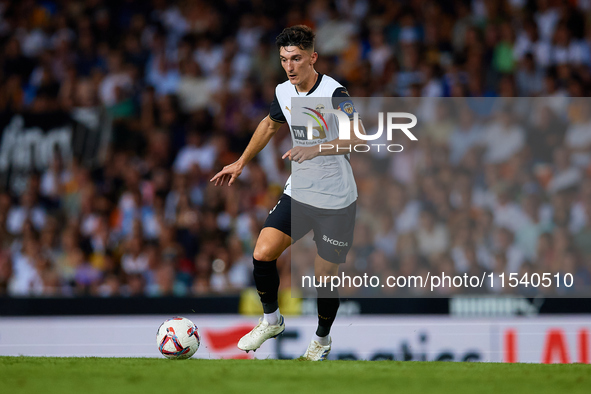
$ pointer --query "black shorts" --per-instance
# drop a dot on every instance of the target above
(333, 228)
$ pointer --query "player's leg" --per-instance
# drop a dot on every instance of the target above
(270, 245)
(333, 233)
(328, 299)
(328, 306)
(275, 237)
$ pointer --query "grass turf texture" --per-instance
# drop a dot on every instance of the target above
(127, 375)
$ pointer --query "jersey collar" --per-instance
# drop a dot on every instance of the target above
(313, 87)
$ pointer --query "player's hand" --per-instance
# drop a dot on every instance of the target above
(228, 173)
(301, 153)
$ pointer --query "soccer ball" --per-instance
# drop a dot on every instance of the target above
(178, 338)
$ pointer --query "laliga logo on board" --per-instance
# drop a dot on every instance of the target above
(345, 129)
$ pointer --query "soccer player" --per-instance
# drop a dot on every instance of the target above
(322, 197)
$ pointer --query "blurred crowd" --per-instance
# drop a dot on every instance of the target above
(495, 185)
(185, 84)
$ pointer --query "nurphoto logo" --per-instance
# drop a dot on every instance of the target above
(345, 130)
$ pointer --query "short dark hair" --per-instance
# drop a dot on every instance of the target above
(300, 36)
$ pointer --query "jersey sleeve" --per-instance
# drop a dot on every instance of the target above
(342, 101)
(275, 112)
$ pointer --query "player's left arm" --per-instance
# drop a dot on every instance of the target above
(341, 101)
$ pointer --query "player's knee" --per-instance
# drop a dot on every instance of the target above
(325, 278)
(326, 269)
(264, 252)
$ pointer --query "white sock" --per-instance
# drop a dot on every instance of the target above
(272, 318)
(324, 341)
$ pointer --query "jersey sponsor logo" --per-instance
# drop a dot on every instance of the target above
(334, 241)
(312, 132)
(287, 108)
(317, 116)
(301, 133)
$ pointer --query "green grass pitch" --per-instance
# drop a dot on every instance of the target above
(140, 375)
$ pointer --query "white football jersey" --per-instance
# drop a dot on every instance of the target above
(325, 181)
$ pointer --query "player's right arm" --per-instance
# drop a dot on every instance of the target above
(261, 137)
